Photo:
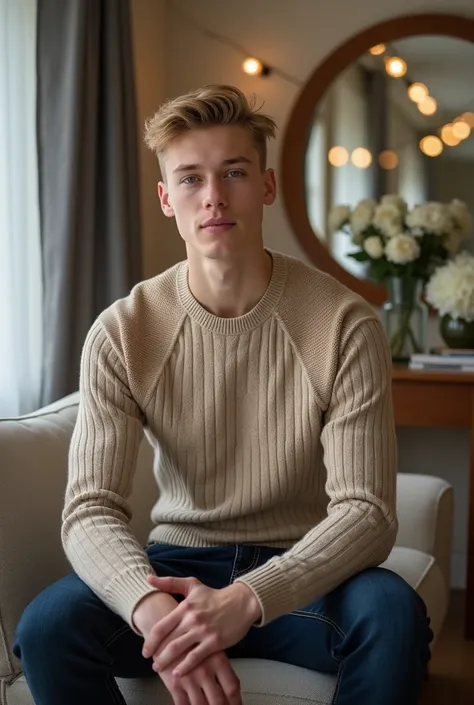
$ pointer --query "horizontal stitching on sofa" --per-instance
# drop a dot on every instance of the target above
(291, 698)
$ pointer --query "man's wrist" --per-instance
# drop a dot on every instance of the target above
(151, 609)
(248, 602)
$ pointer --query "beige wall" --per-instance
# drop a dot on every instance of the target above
(161, 244)
(295, 36)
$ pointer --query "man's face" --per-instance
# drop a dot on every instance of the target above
(216, 190)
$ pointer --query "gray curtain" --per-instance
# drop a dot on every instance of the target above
(88, 174)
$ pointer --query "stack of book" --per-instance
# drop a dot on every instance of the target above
(444, 359)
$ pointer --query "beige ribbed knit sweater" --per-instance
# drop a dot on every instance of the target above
(253, 420)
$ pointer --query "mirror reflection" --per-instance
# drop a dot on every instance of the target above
(399, 120)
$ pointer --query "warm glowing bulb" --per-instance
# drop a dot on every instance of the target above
(377, 49)
(338, 156)
(431, 146)
(395, 67)
(361, 158)
(469, 118)
(428, 106)
(388, 159)
(448, 136)
(461, 129)
(252, 66)
(417, 92)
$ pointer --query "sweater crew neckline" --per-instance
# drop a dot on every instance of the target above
(241, 324)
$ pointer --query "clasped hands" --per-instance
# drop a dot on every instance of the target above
(206, 622)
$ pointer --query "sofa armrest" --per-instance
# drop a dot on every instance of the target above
(33, 458)
(425, 515)
(34, 465)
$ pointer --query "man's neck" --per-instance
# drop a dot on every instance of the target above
(229, 288)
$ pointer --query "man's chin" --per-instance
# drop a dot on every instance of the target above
(220, 246)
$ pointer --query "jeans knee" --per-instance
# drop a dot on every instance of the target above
(50, 618)
(393, 608)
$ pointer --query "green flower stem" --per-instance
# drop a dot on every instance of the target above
(404, 331)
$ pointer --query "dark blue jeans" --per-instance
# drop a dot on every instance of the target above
(372, 632)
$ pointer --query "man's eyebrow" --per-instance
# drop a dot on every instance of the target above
(226, 162)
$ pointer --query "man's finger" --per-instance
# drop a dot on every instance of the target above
(230, 684)
(212, 689)
(196, 657)
(177, 586)
(175, 650)
(195, 693)
(160, 631)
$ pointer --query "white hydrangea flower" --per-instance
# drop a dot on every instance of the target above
(395, 200)
(433, 217)
(402, 249)
(338, 216)
(461, 216)
(451, 288)
(361, 216)
(373, 245)
(388, 218)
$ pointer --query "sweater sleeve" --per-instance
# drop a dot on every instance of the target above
(103, 452)
(359, 444)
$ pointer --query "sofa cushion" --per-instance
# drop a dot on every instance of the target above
(262, 683)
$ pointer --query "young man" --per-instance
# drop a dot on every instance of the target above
(264, 386)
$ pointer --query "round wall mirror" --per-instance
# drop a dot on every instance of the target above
(389, 112)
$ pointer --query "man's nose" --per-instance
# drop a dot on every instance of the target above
(214, 196)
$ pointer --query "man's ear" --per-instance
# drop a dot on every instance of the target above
(164, 197)
(270, 187)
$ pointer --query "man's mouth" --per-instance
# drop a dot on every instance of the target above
(217, 225)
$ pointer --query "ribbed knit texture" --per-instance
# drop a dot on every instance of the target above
(272, 428)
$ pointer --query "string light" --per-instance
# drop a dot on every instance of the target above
(338, 156)
(395, 67)
(428, 106)
(469, 118)
(361, 158)
(431, 146)
(448, 136)
(254, 67)
(388, 159)
(417, 92)
(461, 129)
(377, 49)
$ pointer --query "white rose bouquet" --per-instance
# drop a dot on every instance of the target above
(404, 248)
(451, 288)
(397, 242)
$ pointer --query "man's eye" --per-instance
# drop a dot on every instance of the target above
(189, 180)
(235, 172)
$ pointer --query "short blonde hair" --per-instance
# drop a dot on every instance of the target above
(207, 107)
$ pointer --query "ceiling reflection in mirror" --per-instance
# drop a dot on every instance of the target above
(399, 120)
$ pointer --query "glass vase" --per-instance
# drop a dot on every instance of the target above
(405, 318)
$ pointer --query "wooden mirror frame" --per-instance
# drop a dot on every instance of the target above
(297, 131)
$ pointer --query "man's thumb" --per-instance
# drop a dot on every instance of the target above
(177, 586)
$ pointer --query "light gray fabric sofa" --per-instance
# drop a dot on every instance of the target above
(33, 463)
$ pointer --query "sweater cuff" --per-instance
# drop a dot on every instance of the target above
(125, 592)
(273, 589)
